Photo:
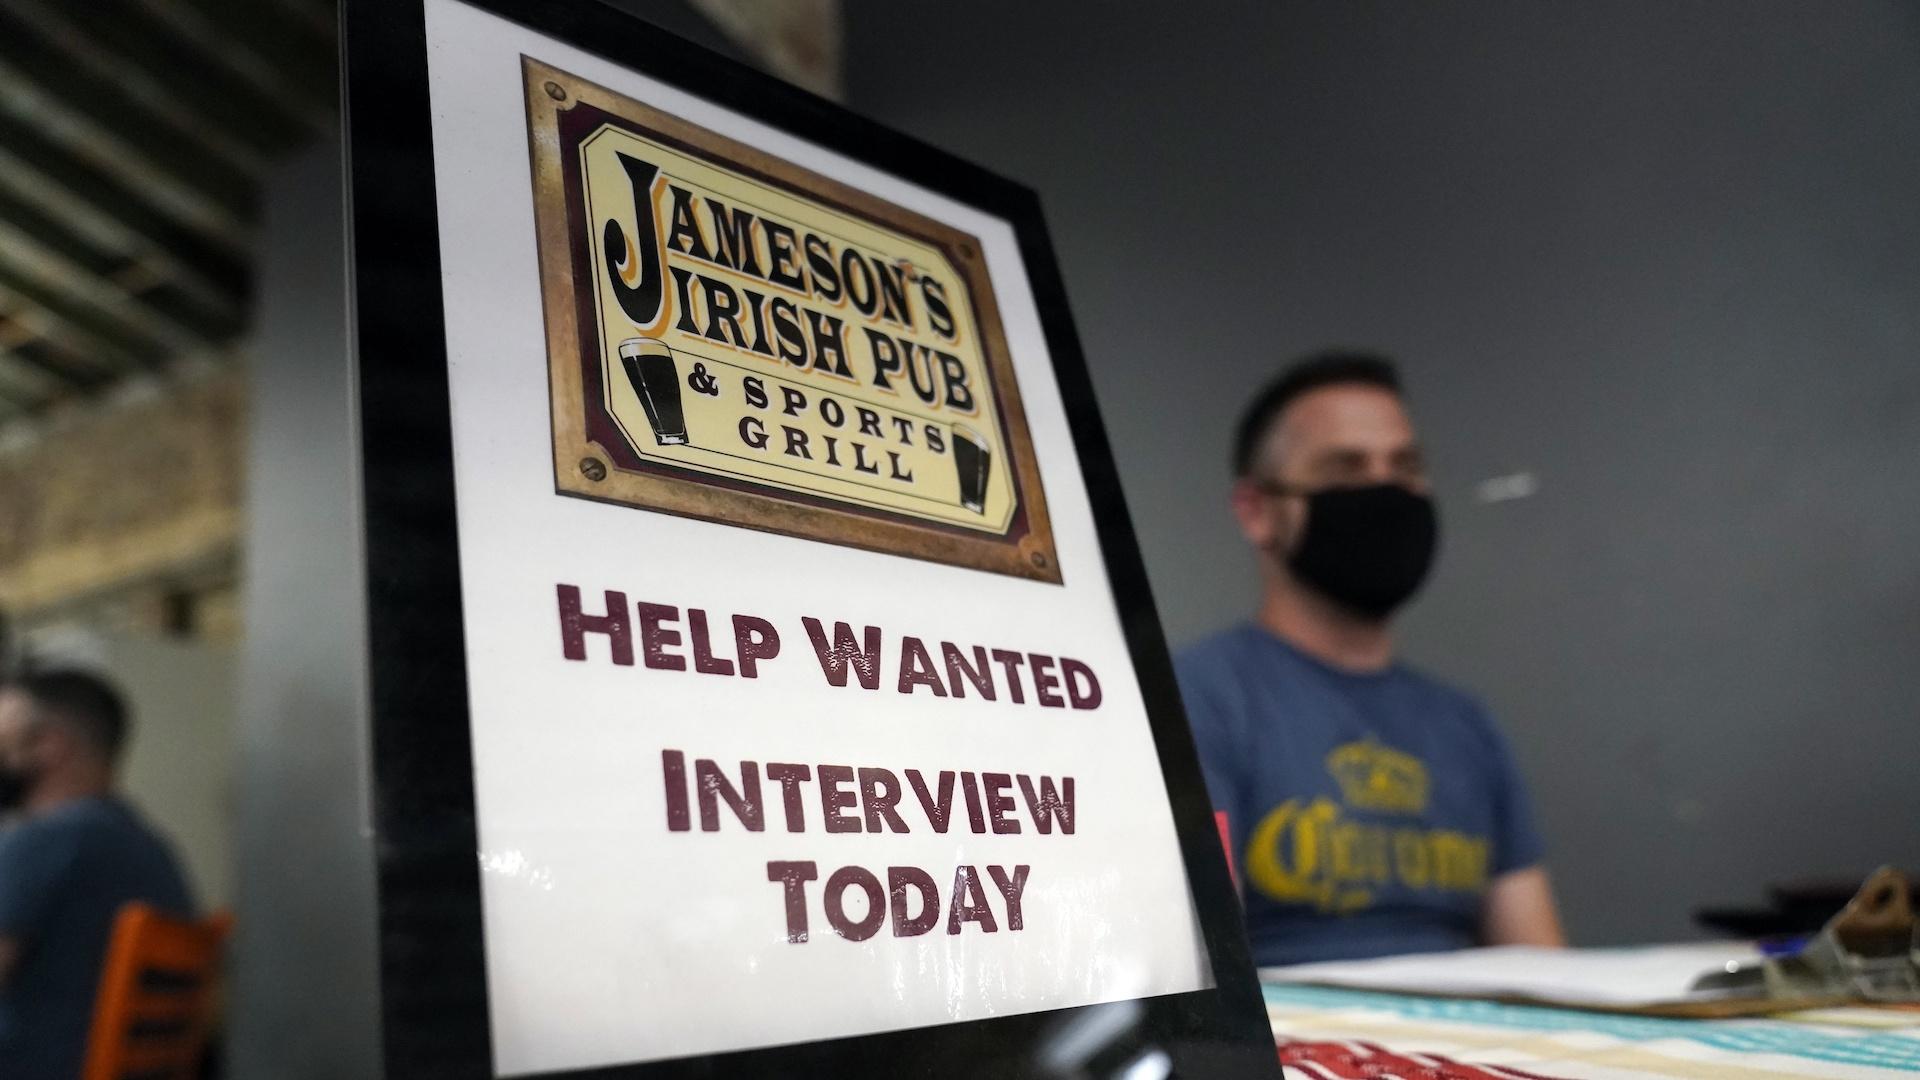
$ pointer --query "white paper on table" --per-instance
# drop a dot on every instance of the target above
(1612, 977)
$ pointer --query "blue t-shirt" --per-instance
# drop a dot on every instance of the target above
(63, 877)
(1367, 812)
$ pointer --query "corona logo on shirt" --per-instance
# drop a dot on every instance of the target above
(1373, 777)
(1313, 852)
(735, 338)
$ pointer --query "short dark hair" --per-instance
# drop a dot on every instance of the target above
(84, 703)
(1334, 367)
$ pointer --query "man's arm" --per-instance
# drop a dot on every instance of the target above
(1519, 910)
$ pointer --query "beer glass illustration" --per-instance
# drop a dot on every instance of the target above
(972, 461)
(650, 368)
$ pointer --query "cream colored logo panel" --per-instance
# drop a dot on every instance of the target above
(734, 338)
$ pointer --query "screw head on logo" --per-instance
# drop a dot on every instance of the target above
(593, 469)
(555, 91)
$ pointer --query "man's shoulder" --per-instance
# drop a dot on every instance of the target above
(62, 826)
(1211, 651)
(1441, 698)
(1213, 674)
(37, 853)
(1427, 684)
(1229, 653)
(81, 824)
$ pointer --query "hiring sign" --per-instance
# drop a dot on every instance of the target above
(762, 668)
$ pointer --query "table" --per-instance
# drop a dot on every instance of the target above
(1328, 1033)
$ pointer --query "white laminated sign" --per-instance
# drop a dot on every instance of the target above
(799, 700)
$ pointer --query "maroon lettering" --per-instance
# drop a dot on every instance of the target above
(790, 777)
(879, 794)
(999, 805)
(1047, 805)
(1074, 671)
(1011, 661)
(711, 786)
(575, 625)
(973, 802)
(846, 652)
(835, 893)
(969, 903)
(754, 640)
(899, 880)
(916, 668)
(936, 809)
(977, 673)
(655, 637)
(833, 800)
(673, 773)
(1045, 683)
(793, 877)
(703, 659)
(1011, 889)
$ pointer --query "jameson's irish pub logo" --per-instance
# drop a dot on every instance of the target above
(734, 338)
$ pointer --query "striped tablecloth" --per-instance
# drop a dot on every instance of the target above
(1334, 1034)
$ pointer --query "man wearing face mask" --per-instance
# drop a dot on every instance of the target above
(1372, 810)
(71, 853)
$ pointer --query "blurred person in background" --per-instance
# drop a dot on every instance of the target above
(71, 853)
(1372, 810)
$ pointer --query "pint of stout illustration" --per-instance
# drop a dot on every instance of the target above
(650, 368)
(972, 461)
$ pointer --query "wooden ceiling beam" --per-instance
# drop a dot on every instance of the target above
(260, 62)
(61, 41)
(90, 356)
(84, 318)
(88, 139)
(103, 204)
(140, 270)
(31, 357)
(305, 60)
(141, 44)
(41, 318)
(24, 384)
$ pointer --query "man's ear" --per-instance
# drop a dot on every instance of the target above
(1251, 510)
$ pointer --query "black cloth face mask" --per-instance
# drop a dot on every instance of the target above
(1367, 549)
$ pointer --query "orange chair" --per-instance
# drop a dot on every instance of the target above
(156, 998)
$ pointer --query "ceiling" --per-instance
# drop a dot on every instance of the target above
(134, 135)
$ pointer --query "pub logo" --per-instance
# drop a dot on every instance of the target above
(734, 338)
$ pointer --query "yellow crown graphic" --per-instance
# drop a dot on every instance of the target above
(1373, 777)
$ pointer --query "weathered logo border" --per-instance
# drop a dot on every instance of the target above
(590, 458)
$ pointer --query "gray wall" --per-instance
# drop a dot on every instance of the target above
(304, 995)
(1663, 257)
(179, 770)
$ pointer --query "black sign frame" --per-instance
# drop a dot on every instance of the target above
(434, 989)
